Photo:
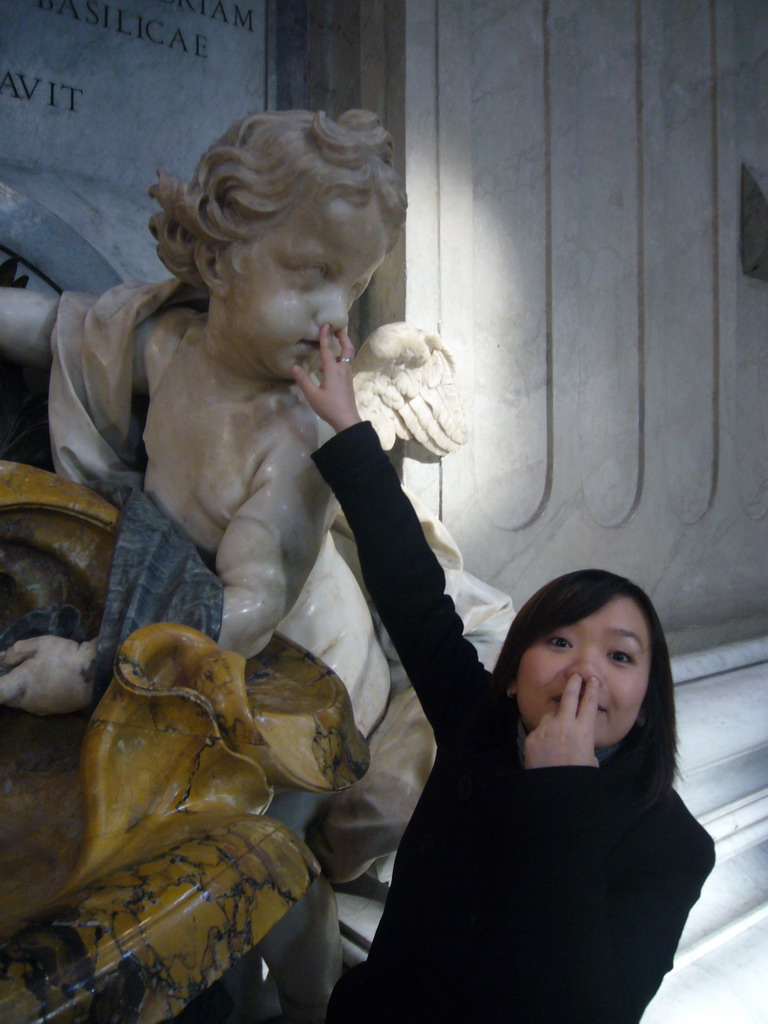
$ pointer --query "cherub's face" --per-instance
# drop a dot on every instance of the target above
(271, 297)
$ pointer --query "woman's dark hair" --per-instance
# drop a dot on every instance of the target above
(573, 597)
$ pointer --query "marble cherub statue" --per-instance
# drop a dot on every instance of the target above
(277, 233)
(280, 229)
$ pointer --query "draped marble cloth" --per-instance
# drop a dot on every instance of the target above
(96, 424)
(156, 573)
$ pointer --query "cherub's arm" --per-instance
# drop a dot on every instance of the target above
(27, 319)
(26, 325)
(271, 544)
(48, 675)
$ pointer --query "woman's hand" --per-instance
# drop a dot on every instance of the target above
(334, 398)
(566, 736)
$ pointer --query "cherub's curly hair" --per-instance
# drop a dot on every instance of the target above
(252, 177)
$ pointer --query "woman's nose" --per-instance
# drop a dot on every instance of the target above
(585, 665)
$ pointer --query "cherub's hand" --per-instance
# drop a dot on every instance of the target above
(48, 675)
(567, 736)
(334, 398)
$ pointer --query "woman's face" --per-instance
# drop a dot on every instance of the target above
(613, 645)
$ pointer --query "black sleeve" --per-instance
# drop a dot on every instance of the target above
(403, 576)
(649, 905)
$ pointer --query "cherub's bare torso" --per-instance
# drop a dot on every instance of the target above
(229, 462)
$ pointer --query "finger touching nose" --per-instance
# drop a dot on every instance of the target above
(585, 667)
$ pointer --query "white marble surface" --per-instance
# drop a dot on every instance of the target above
(512, 335)
(722, 715)
(683, 273)
(746, 376)
(727, 985)
(574, 230)
(711, 662)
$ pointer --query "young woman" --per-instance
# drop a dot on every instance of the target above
(549, 867)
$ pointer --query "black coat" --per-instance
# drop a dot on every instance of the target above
(540, 896)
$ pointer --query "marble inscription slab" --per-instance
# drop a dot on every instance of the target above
(96, 95)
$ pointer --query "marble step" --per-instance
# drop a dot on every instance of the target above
(728, 982)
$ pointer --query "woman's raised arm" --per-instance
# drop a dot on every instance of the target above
(402, 575)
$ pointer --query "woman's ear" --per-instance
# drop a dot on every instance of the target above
(512, 688)
(640, 720)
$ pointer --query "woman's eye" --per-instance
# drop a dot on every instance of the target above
(622, 657)
(558, 641)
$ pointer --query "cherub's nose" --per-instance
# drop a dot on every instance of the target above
(332, 309)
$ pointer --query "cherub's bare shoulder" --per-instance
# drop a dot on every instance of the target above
(159, 340)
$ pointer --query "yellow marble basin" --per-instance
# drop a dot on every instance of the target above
(135, 874)
(56, 542)
(136, 862)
